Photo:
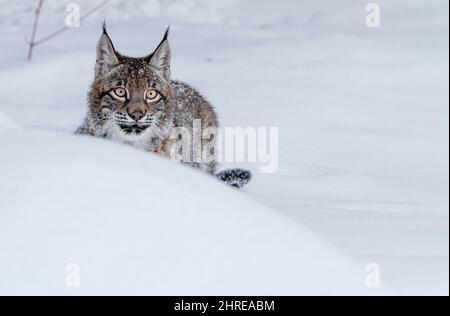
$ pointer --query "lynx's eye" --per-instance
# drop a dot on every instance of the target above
(152, 95)
(120, 93)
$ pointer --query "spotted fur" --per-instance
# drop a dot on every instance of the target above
(236, 178)
(119, 107)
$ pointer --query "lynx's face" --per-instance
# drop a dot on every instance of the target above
(132, 97)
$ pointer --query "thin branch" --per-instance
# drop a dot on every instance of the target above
(32, 42)
(62, 30)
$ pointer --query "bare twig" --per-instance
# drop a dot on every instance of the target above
(63, 29)
(31, 42)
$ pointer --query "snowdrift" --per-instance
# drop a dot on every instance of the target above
(137, 224)
(6, 123)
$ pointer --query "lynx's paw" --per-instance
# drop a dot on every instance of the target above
(237, 178)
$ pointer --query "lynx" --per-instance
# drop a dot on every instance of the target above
(135, 101)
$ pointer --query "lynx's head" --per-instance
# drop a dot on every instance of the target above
(131, 97)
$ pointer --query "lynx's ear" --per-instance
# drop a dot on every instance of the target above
(107, 57)
(160, 59)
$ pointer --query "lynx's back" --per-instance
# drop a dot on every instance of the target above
(191, 105)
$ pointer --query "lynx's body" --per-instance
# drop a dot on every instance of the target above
(135, 101)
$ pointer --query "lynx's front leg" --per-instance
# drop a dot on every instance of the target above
(165, 148)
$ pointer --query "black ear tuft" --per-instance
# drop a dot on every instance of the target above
(105, 32)
(160, 58)
(107, 57)
(104, 27)
(164, 41)
(166, 35)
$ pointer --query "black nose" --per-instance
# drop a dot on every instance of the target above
(136, 115)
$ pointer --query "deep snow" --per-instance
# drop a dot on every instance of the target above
(6, 123)
(136, 224)
(362, 113)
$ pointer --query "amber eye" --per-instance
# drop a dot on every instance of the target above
(152, 95)
(120, 93)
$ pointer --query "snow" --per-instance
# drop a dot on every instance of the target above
(7, 123)
(135, 224)
(17, 14)
(363, 172)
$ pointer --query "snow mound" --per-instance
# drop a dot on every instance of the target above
(130, 223)
(7, 123)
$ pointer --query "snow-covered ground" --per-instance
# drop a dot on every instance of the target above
(127, 223)
(363, 173)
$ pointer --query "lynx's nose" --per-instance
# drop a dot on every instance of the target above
(137, 115)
